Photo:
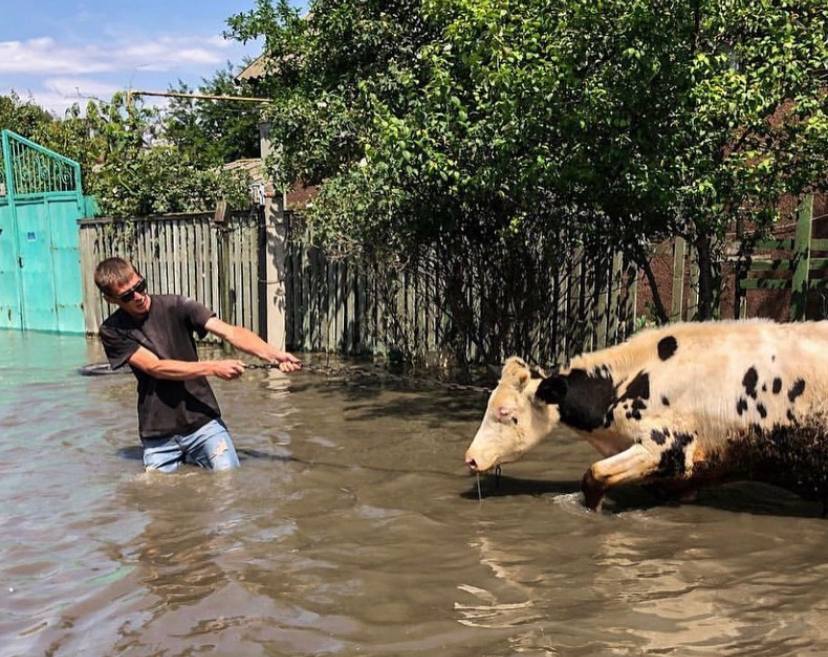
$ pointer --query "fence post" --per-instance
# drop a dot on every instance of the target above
(603, 282)
(275, 288)
(225, 273)
(693, 294)
(802, 258)
(679, 248)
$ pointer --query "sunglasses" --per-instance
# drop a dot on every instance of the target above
(140, 287)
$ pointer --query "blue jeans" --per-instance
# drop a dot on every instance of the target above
(209, 447)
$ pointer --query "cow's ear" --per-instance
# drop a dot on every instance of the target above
(552, 390)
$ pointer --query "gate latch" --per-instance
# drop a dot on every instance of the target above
(20, 261)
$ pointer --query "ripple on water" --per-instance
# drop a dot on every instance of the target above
(352, 529)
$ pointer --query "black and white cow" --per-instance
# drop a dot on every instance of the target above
(679, 406)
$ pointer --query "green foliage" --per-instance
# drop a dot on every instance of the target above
(127, 162)
(21, 116)
(213, 132)
(624, 121)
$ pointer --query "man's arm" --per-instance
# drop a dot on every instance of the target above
(250, 343)
(182, 370)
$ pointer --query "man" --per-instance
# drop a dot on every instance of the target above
(179, 420)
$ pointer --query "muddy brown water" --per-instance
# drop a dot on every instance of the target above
(353, 529)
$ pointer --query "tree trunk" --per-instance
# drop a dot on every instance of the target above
(642, 259)
(707, 292)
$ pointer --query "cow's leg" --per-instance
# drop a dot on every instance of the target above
(633, 464)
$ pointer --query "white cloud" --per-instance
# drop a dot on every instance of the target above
(39, 56)
(55, 73)
(44, 56)
(80, 87)
(58, 94)
(56, 103)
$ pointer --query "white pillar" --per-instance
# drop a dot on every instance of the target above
(275, 252)
(275, 273)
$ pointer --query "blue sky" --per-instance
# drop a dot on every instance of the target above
(58, 53)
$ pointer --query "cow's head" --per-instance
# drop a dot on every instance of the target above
(515, 421)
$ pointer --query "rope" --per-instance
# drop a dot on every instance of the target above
(378, 372)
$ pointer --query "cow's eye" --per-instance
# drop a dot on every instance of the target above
(514, 420)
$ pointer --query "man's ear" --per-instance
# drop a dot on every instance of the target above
(552, 390)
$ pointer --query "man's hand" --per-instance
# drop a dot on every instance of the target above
(228, 369)
(287, 362)
(250, 343)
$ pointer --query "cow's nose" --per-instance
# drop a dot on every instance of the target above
(472, 464)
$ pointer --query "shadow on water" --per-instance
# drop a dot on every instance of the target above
(492, 486)
(433, 404)
(742, 497)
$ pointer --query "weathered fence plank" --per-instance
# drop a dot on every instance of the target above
(367, 308)
(178, 254)
(362, 307)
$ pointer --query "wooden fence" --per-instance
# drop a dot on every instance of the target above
(407, 312)
(791, 268)
(437, 308)
(213, 259)
(789, 264)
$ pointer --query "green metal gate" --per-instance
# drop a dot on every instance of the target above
(41, 199)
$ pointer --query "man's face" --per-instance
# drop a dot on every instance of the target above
(131, 296)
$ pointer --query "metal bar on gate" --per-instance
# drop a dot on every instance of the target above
(11, 195)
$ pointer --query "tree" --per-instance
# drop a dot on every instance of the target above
(124, 161)
(22, 117)
(615, 121)
(214, 132)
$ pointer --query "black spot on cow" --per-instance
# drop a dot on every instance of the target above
(764, 387)
(667, 347)
(658, 437)
(741, 405)
(638, 405)
(665, 401)
(628, 415)
(639, 387)
(796, 389)
(749, 381)
(553, 389)
(777, 385)
(773, 358)
(762, 410)
(672, 462)
(791, 416)
(586, 397)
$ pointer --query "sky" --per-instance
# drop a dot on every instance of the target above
(61, 52)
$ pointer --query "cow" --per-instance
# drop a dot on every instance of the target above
(679, 407)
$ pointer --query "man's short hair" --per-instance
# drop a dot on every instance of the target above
(112, 272)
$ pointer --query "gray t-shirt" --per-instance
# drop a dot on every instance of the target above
(165, 408)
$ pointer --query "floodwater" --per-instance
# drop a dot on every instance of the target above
(352, 529)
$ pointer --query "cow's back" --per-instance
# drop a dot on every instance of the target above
(716, 378)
